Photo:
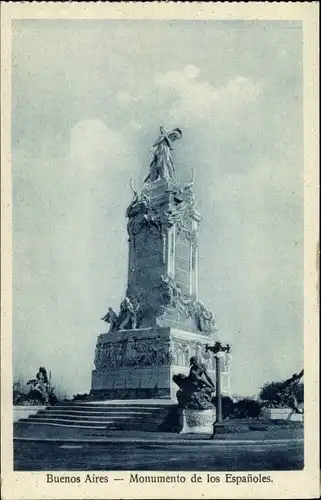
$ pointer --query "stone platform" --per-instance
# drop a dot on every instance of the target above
(96, 419)
(136, 364)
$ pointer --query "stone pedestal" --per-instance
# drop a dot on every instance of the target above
(141, 363)
(196, 421)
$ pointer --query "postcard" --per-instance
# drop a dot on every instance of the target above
(159, 250)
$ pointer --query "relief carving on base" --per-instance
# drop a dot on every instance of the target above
(133, 352)
(152, 351)
(199, 418)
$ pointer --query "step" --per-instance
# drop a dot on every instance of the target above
(71, 423)
(89, 412)
(96, 418)
(139, 418)
(106, 422)
(72, 432)
(97, 408)
(151, 426)
(56, 424)
(67, 421)
(124, 402)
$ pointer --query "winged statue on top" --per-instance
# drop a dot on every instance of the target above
(162, 165)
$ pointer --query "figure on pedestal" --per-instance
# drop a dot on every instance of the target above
(197, 389)
(162, 165)
(111, 318)
(41, 389)
(128, 318)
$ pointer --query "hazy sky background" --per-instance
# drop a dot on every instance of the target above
(88, 98)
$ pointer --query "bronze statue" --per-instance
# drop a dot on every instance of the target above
(162, 165)
(198, 373)
(127, 319)
(196, 391)
(40, 388)
(112, 318)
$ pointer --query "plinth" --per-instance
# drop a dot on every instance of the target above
(140, 364)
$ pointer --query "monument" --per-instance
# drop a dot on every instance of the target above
(161, 322)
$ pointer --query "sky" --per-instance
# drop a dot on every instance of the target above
(88, 98)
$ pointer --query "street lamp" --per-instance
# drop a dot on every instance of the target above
(217, 348)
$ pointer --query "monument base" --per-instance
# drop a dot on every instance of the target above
(196, 421)
(140, 364)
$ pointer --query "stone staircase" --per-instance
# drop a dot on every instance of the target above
(97, 419)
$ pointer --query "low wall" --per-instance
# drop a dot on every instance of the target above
(282, 414)
(24, 411)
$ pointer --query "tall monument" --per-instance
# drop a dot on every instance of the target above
(161, 323)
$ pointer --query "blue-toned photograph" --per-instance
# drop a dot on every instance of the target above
(158, 237)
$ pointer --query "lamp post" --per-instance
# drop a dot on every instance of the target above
(216, 349)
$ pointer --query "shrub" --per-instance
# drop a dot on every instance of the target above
(243, 408)
(281, 394)
(271, 391)
(227, 406)
(247, 408)
(80, 397)
(19, 393)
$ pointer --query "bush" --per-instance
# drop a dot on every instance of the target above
(281, 394)
(227, 406)
(19, 392)
(80, 397)
(247, 408)
(243, 408)
(271, 391)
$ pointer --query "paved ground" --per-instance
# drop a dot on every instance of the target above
(233, 454)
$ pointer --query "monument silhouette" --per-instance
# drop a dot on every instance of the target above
(161, 323)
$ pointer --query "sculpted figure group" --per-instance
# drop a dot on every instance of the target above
(188, 306)
(153, 351)
(132, 352)
(127, 319)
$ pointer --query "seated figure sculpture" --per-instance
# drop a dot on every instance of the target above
(40, 388)
(196, 391)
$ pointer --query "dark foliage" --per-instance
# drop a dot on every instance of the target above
(247, 408)
(80, 397)
(227, 406)
(27, 394)
(279, 394)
